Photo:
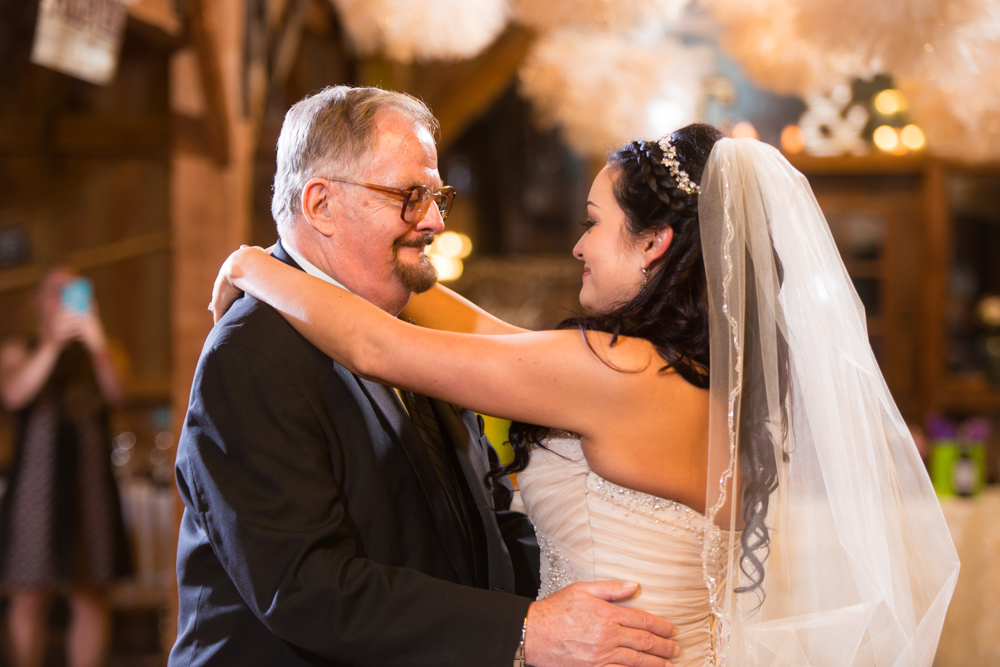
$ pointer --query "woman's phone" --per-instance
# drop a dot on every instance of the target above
(77, 296)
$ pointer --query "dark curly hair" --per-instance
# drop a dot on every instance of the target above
(671, 312)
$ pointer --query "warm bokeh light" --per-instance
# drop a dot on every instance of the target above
(448, 244)
(448, 268)
(793, 140)
(988, 310)
(744, 130)
(452, 244)
(885, 138)
(913, 137)
(466, 246)
(889, 101)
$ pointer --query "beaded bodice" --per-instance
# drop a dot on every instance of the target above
(590, 529)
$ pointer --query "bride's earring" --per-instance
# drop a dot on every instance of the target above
(645, 276)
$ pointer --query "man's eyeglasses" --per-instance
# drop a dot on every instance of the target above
(416, 200)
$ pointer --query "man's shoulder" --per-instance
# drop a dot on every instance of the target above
(253, 326)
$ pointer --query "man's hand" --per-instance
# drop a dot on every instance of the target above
(579, 627)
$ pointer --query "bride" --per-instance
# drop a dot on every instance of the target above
(717, 429)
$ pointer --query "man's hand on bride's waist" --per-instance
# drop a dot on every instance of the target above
(580, 627)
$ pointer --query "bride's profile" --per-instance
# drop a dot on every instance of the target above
(716, 428)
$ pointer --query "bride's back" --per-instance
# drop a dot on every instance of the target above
(657, 440)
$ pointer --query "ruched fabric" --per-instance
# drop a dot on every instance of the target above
(592, 530)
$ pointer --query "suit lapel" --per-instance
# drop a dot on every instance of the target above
(460, 424)
(386, 402)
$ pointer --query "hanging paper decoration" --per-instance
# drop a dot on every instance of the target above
(960, 116)
(81, 38)
(545, 15)
(407, 30)
(802, 46)
(604, 90)
(885, 34)
(944, 54)
(953, 87)
(764, 37)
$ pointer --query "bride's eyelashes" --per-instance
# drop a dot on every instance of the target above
(587, 223)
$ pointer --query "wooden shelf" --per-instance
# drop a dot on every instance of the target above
(855, 165)
(969, 392)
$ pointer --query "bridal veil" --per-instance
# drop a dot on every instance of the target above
(860, 566)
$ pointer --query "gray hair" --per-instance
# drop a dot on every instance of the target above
(333, 133)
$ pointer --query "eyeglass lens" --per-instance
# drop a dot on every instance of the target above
(418, 203)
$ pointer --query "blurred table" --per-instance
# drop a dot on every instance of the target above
(971, 636)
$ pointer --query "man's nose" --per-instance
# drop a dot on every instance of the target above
(432, 222)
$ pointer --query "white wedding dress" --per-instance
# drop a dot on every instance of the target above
(592, 530)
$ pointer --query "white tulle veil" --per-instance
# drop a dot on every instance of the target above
(860, 566)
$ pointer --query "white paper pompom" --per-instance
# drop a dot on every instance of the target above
(407, 30)
(614, 15)
(764, 37)
(887, 34)
(604, 90)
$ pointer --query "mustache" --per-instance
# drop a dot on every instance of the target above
(414, 242)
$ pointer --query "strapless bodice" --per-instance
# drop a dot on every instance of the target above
(592, 530)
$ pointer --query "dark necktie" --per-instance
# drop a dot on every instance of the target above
(423, 418)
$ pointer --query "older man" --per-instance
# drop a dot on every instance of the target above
(327, 521)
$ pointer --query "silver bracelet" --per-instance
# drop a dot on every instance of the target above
(519, 654)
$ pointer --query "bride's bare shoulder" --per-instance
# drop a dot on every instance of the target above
(658, 441)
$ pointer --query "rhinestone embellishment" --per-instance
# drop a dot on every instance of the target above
(671, 162)
(646, 505)
(559, 573)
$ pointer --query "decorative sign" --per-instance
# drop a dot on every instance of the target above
(830, 127)
(81, 38)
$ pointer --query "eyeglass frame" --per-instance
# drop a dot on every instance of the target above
(445, 191)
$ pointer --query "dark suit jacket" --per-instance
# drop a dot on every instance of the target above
(315, 530)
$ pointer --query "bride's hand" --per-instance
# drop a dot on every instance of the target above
(225, 292)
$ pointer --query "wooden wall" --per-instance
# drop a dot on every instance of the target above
(85, 173)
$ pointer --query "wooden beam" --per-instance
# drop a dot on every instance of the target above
(114, 135)
(210, 197)
(89, 258)
(479, 84)
(86, 135)
(21, 277)
(255, 57)
(119, 251)
(206, 49)
(287, 46)
(22, 135)
(156, 21)
(933, 299)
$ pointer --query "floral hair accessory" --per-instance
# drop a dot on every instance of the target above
(671, 162)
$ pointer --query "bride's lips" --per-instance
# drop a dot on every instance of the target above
(586, 270)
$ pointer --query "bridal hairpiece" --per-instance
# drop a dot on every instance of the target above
(671, 162)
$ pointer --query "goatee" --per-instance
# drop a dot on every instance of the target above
(418, 277)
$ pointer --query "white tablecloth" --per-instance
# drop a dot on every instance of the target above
(971, 636)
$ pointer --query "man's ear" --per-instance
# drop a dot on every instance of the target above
(320, 206)
(655, 244)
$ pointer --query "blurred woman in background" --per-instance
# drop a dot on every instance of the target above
(60, 523)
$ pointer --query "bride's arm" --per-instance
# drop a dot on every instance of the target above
(551, 378)
(441, 308)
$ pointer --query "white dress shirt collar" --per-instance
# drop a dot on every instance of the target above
(308, 266)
